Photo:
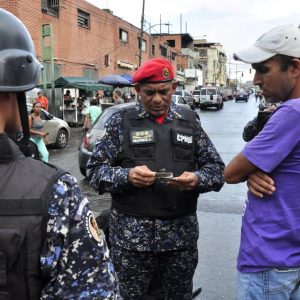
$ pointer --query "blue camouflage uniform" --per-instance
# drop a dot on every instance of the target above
(75, 258)
(168, 243)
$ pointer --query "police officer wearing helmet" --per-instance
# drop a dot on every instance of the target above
(153, 222)
(50, 247)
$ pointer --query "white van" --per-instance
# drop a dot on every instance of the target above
(210, 97)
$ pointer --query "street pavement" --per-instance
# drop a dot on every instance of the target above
(219, 214)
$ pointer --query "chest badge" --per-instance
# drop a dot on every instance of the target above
(142, 136)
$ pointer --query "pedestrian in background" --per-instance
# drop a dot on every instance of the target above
(117, 97)
(43, 100)
(269, 256)
(92, 114)
(37, 133)
(153, 222)
(68, 98)
(50, 246)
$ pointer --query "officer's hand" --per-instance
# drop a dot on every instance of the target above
(141, 176)
(260, 184)
(186, 181)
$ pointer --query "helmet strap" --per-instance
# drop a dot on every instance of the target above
(23, 114)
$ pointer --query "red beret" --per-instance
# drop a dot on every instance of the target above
(154, 70)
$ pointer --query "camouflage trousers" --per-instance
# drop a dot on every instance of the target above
(135, 270)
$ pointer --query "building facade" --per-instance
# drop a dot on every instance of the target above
(188, 70)
(212, 58)
(83, 40)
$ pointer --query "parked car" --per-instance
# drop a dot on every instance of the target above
(190, 100)
(179, 101)
(96, 132)
(210, 97)
(58, 129)
(241, 95)
(196, 95)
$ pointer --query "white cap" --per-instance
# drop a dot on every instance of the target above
(284, 40)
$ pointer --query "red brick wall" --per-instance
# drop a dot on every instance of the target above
(76, 48)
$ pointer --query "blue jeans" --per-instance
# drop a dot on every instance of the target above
(269, 285)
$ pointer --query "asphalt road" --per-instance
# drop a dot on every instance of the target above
(219, 213)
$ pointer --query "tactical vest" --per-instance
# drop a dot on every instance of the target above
(169, 146)
(25, 187)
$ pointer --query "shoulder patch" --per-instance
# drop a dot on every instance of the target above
(92, 228)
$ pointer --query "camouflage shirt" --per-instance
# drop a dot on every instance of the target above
(148, 234)
(75, 256)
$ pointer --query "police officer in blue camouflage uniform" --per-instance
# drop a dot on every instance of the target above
(155, 158)
(50, 245)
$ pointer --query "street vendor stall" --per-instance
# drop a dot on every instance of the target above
(81, 90)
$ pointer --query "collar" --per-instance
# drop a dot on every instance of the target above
(9, 151)
(173, 112)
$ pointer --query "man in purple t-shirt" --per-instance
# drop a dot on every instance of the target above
(269, 257)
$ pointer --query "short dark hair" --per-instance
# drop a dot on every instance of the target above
(94, 101)
(285, 61)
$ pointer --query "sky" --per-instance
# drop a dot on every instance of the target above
(235, 24)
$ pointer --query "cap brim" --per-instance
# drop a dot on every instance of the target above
(253, 55)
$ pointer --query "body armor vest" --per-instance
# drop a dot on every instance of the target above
(169, 146)
(25, 187)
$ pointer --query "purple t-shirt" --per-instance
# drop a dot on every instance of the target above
(270, 234)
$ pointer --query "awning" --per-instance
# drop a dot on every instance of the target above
(82, 83)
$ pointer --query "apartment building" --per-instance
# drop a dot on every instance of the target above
(212, 58)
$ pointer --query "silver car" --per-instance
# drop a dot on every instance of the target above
(96, 132)
(179, 100)
(58, 129)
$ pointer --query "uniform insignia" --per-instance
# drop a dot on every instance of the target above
(92, 227)
(184, 138)
(142, 136)
(166, 73)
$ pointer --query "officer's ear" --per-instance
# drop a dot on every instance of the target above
(137, 88)
(174, 85)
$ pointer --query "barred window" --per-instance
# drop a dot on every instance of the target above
(83, 19)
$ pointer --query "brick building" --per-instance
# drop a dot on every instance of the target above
(188, 71)
(87, 41)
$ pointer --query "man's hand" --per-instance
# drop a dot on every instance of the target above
(186, 181)
(141, 176)
(260, 184)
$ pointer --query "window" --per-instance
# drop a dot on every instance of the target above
(106, 60)
(143, 44)
(171, 43)
(123, 36)
(163, 51)
(153, 49)
(173, 55)
(202, 52)
(83, 19)
(50, 7)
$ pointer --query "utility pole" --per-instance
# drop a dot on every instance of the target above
(141, 35)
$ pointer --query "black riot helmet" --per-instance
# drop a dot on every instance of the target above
(19, 67)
